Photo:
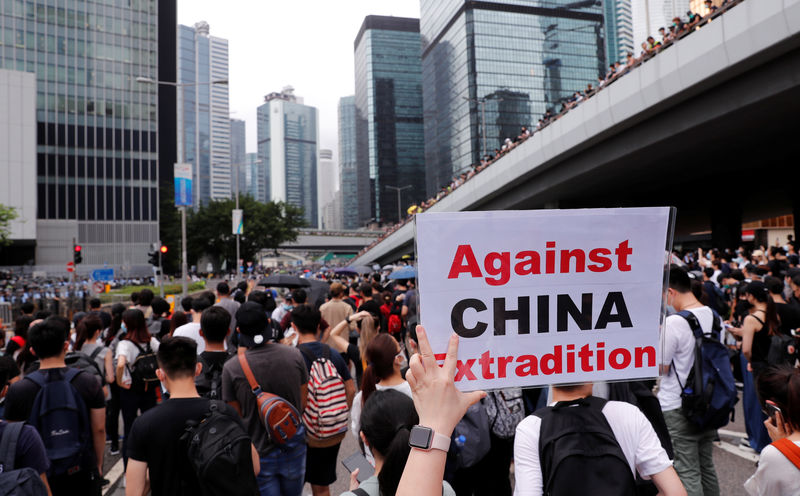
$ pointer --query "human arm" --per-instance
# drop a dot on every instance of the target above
(668, 483)
(109, 368)
(122, 362)
(303, 396)
(136, 478)
(256, 459)
(440, 406)
(46, 484)
(746, 332)
(98, 421)
(349, 391)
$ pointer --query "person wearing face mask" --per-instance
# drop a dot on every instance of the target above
(385, 361)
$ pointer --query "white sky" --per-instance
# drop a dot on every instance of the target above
(307, 44)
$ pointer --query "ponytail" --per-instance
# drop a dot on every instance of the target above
(380, 353)
(395, 461)
(368, 382)
(773, 321)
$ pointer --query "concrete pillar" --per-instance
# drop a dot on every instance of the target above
(726, 225)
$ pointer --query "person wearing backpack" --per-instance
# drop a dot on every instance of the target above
(330, 396)
(214, 328)
(582, 444)
(778, 471)
(67, 408)
(158, 447)
(692, 445)
(278, 370)
(86, 341)
(136, 371)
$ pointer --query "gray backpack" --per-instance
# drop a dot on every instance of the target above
(16, 481)
(506, 410)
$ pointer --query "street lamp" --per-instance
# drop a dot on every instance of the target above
(147, 80)
(482, 102)
(399, 190)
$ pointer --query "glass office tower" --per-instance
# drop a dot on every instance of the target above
(97, 128)
(619, 30)
(348, 182)
(390, 139)
(288, 149)
(238, 156)
(516, 58)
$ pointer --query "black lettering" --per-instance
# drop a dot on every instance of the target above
(566, 307)
(614, 300)
(522, 315)
(457, 318)
(543, 313)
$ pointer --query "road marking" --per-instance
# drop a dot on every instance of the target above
(114, 475)
(753, 457)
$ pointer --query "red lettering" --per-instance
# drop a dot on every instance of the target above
(502, 362)
(551, 362)
(486, 362)
(613, 358)
(527, 368)
(464, 261)
(601, 356)
(550, 258)
(570, 358)
(622, 253)
(465, 370)
(529, 264)
(580, 260)
(585, 355)
(600, 258)
(651, 356)
(503, 271)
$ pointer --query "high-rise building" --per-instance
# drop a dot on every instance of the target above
(254, 177)
(536, 52)
(288, 149)
(99, 132)
(328, 183)
(390, 140)
(238, 156)
(348, 181)
(649, 15)
(619, 30)
(204, 119)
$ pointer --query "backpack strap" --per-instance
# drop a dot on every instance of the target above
(359, 492)
(248, 372)
(789, 450)
(8, 445)
(96, 352)
(310, 356)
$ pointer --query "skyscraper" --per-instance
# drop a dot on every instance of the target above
(288, 150)
(238, 156)
(328, 183)
(390, 141)
(619, 30)
(535, 52)
(204, 120)
(254, 177)
(97, 128)
(348, 182)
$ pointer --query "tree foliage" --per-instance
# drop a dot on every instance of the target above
(266, 226)
(7, 214)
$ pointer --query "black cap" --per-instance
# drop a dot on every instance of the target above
(252, 323)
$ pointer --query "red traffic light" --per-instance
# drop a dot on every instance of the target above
(163, 249)
(77, 248)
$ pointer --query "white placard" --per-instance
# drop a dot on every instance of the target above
(545, 296)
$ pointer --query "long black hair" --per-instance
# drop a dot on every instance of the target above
(386, 422)
(760, 292)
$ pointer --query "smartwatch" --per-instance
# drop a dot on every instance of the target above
(425, 439)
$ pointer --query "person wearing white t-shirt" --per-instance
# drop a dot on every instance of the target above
(192, 329)
(692, 447)
(632, 430)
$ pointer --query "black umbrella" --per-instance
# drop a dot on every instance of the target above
(284, 281)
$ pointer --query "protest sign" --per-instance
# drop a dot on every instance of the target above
(545, 296)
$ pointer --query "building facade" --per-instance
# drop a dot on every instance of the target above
(390, 140)
(97, 128)
(254, 177)
(238, 156)
(348, 164)
(328, 185)
(619, 30)
(203, 109)
(474, 54)
(649, 15)
(288, 149)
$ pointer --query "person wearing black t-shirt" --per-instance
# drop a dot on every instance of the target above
(214, 328)
(49, 342)
(154, 444)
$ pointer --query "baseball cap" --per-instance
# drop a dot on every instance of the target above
(252, 323)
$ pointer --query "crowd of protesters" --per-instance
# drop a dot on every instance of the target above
(679, 28)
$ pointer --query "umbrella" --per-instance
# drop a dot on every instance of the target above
(407, 272)
(317, 293)
(347, 271)
(284, 281)
(360, 269)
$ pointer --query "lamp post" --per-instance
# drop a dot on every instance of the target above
(147, 80)
(482, 102)
(399, 190)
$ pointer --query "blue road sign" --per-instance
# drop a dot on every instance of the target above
(183, 185)
(103, 274)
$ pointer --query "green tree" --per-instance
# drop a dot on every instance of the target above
(266, 226)
(7, 214)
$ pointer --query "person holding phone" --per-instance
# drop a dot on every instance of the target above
(779, 465)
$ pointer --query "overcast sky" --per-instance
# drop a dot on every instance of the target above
(307, 44)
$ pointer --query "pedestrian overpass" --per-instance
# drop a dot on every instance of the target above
(310, 240)
(707, 125)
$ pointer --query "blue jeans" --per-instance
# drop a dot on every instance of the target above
(753, 416)
(283, 469)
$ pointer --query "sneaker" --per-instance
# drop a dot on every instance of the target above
(114, 451)
(105, 482)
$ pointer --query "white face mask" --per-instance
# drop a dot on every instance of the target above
(403, 360)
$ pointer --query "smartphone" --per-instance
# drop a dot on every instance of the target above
(772, 409)
(359, 461)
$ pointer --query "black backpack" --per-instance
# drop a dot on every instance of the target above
(17, 481)
(209, 382)
(219, 453)
(81, 361)
(143, 369)
(578, 452)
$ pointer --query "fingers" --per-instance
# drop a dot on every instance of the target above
(473, 397)
(416, 370)
(354, 479)
(428, 360)
(452, 355)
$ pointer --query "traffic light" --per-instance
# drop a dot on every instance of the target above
(163, 249)
(153, 258)
(77, 255)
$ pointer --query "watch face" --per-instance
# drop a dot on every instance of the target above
(420, 437)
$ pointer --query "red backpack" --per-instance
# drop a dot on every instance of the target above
(395, 325)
